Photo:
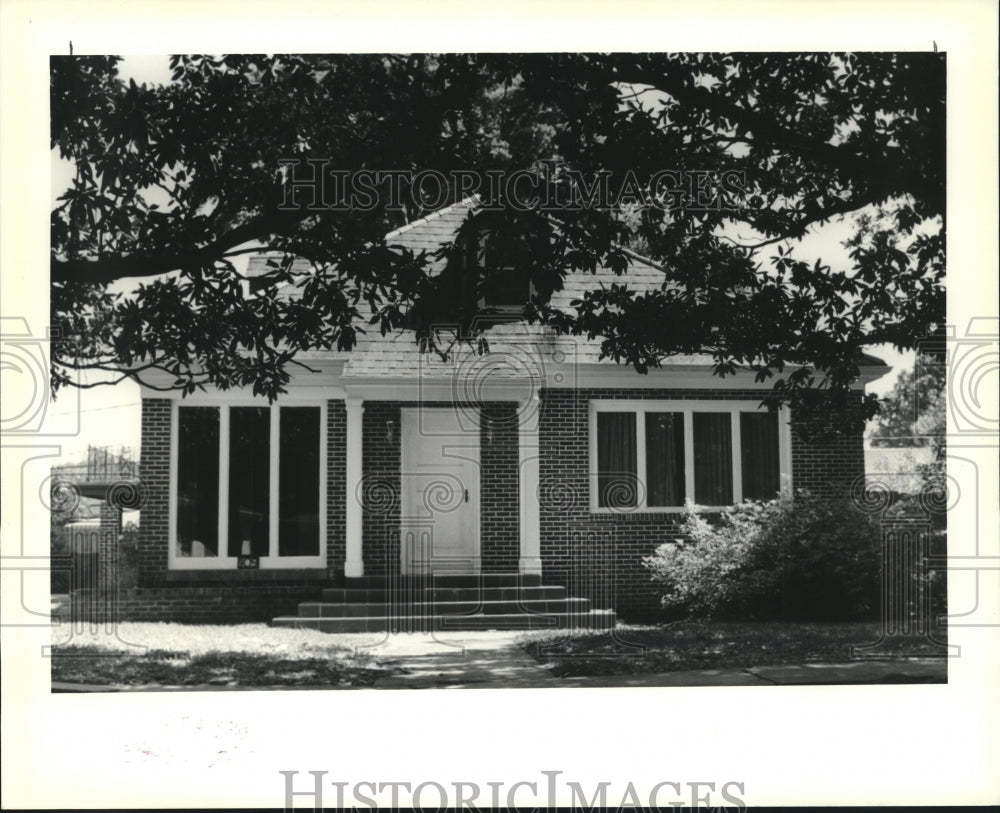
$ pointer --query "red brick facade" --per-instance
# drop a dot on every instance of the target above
(597, 556)
(154, 471)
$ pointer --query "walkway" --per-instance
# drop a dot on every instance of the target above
(492, 660)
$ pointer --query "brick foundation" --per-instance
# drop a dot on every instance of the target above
(201, 605)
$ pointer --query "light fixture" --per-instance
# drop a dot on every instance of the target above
(389, 428)
(489, 430)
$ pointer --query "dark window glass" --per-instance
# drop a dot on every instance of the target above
(298, 482)
(713, 458)
(198, 481)
(504, 282)
(759, 455)
(249, 480)
(617, 485)
(664, 459)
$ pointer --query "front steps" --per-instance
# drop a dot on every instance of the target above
(443, 603)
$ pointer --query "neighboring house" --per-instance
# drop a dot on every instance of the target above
(897, 469)
(535, 461)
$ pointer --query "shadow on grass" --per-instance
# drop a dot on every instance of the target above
(158, 667)
(688, 645)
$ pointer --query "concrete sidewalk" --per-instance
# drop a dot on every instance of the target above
(493, 660)
(502, 664)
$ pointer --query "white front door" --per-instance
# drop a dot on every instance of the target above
(439, 519)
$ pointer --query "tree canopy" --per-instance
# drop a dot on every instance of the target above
(172, 181)
(914, 412)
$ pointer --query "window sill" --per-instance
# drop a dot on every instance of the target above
(629, 512)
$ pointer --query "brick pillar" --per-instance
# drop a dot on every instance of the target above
(154, 471)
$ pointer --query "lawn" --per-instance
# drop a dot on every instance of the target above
(164, 654)
(693, 645)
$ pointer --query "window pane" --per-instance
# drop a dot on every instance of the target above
(507, 288)
(713, 458)
(665, 458)
(616, 456)
(298, 482)
(504, 282)
(759, 455)
(198, 481)
(249, 486)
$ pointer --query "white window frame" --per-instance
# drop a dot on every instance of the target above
(272, 561)
(687, 408)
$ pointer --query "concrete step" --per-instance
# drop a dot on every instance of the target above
(594, 619)
(421, 581)
(474, 593)
(313, 609)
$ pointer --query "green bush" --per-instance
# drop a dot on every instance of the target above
(128, 557)
(83, 567)
(806, 559)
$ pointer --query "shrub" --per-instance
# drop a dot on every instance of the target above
(806, 559)
(72, 570)
(128, 557)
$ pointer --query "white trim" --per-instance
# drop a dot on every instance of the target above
(274, 441)
(302, 386)
(785, 449)
(570, 375)
(354, 566)
(225, 438)
(431, 389)
(272, 561)
(529, 513)
(687, 408)
(736, 453)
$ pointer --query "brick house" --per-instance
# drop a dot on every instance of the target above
(508, 483)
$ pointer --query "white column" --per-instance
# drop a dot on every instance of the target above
(530, 549)
(353, 564)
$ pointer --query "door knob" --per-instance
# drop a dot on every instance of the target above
(466, 495)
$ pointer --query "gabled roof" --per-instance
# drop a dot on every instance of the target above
(378, 356)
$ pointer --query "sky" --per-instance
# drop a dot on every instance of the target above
(110, 415)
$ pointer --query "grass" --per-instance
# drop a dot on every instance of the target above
(691, 645)
(193, 655)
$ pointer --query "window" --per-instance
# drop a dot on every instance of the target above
(654, 455)
(298, 492)
(252, 478)
(617, 479)
(507, 260)
(504, 284)
(198, 482)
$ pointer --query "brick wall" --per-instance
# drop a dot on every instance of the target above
(154, 471)
(336, 485)
(594, 555)
(499, 488)
(380, 465)
(203, 605)
(599, 556)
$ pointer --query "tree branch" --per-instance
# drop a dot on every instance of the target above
(110, 269)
